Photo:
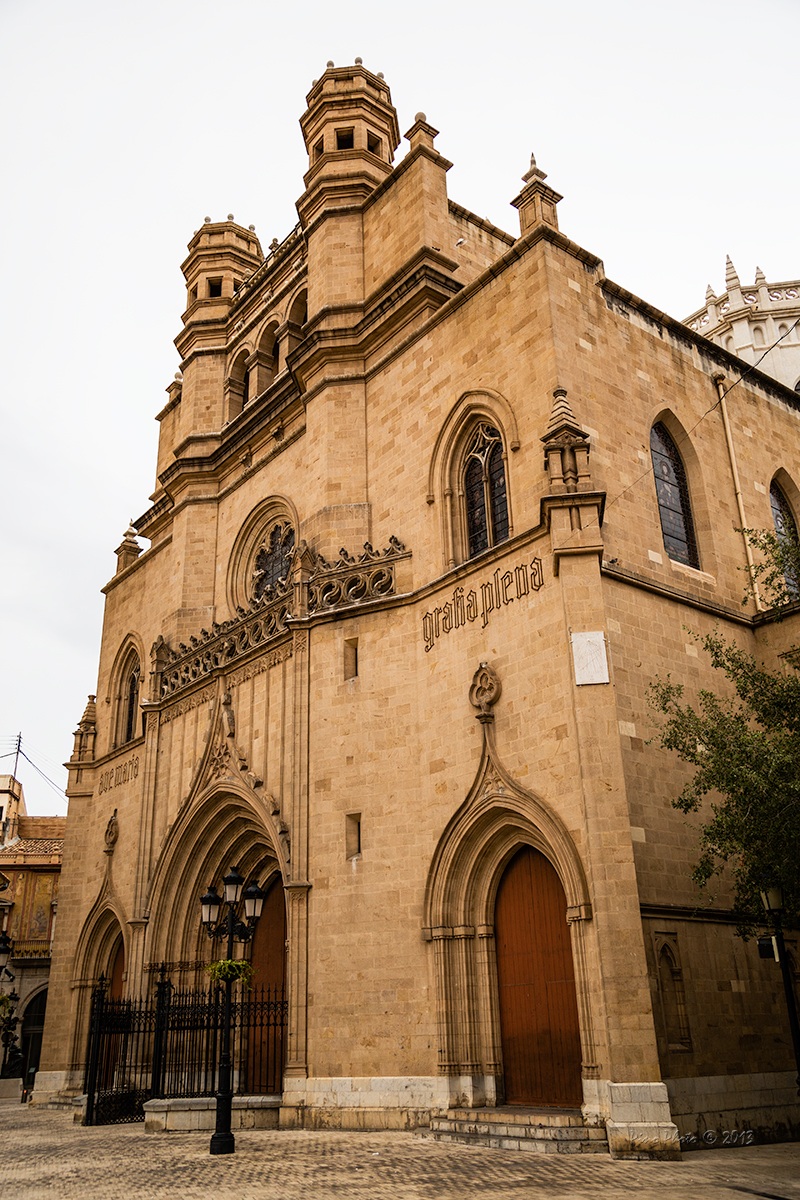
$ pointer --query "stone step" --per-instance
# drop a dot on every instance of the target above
(545, 1117)
(543, 1131)
(536, 1145)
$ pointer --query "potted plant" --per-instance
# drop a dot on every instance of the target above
(231, 970)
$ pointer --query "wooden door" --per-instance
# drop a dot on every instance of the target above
(265, 1049)
(538, 1006)
(116, 984)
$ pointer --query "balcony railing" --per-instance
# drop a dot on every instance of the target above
(31, 948)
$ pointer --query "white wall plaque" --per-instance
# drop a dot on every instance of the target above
(589, 658)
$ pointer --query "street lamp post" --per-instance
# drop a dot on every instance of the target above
(235, 930)
(772, 899)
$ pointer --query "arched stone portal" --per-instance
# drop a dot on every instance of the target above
(497, 821)
(226, 827)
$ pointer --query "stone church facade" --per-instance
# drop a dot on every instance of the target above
(409, 578)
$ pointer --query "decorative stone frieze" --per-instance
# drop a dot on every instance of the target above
(350, 580)
(327, 585)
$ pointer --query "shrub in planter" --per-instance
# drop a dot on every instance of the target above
(231, 970)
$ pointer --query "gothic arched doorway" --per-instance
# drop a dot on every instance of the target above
(538, 1008)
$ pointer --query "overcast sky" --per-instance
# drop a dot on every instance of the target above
(670, 129)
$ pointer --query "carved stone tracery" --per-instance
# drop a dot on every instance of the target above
(273, 559)
(352, 580)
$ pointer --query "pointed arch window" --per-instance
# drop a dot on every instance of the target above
(786, 529)
(782, 516)
(127, 693)
(485, 495)
(132, 702)
(673, 1001)
(672, 491)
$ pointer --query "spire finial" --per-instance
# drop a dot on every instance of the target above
(561, 414)
(761, 278)
(533, 171)
(731, 278)
(710, 297)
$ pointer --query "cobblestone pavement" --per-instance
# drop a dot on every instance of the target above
(46, 1157)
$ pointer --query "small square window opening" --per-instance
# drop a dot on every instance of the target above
(344, 139)
(214, 288)
(373, 143)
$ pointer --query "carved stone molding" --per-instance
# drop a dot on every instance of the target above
(281, 828)
(184, 706)
(300, 641)
(223, 644)
(351, 580)
(263, 663)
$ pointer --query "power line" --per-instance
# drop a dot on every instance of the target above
(43, 758)
(46, 778)
(17, 752)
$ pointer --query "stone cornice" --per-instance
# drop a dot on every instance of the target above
(464, 214)
(146, 556)
(707, 348)
(621, 575)
(688, 912)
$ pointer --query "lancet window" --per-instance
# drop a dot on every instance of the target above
(127, 692)
(672, 492)
(485, 496)
(786, 529)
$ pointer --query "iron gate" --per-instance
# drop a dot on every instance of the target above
(169, 1047)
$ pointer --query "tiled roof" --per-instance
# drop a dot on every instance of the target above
(37, 846)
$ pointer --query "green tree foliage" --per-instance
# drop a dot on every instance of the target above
(745, 751)
(778, 569)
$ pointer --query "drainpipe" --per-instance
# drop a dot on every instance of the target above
(719, 380)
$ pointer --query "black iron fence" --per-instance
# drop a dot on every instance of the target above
(168, 1046)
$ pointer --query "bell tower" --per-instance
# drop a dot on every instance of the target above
(221, 255)
(351, 133)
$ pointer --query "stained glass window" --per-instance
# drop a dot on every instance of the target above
(131, 701)
(485, 491)
(273, 558)
(672, 491)
(786, 529)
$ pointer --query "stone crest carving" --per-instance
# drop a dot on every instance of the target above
(485, 689)
(111, 833)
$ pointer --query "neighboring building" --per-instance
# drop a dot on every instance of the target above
(12, 806)
(30, 865)
(748, 320)
(388, 651)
